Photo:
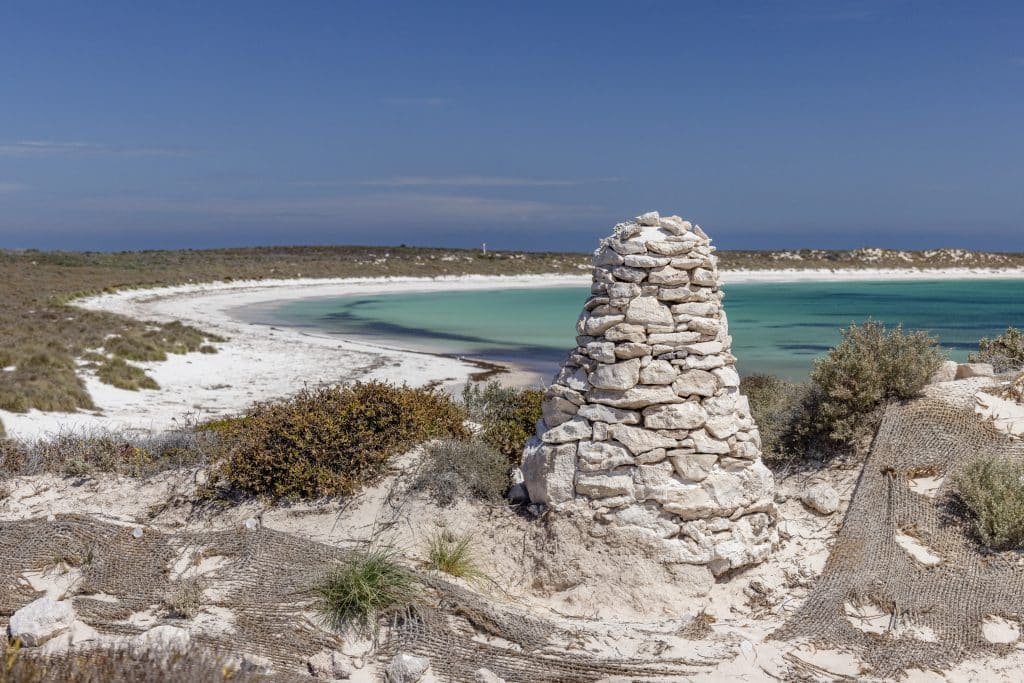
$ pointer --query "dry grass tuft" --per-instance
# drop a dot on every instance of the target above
(356, 594)
(454, 556)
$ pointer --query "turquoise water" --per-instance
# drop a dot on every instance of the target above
(777, 328)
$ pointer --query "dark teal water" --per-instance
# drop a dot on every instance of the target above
(777, 328)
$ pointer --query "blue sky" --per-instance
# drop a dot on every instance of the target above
(524, 125)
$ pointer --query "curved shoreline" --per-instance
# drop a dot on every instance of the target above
(260, 362)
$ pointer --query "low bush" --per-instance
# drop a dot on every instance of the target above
(329, 441)
(46, 380)
(868, 368)
(106, 665)
(992, 488)
(454, 469)
(1005, 352)
(116, 372)
(507, 416)
(453, 555)
(366, 586)
(84, 453)
(774, 405)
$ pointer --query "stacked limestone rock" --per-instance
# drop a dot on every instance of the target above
(644, 427)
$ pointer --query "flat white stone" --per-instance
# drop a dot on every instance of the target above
(40, 620)
(647, 310)
(678, 416)
(622, 376)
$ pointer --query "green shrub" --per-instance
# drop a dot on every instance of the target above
(507, 416)
(367, 585)
(1005, 352)
(774, 403)
(869, 367)
(452, 469)
(453, 555)
(116, 372)
(46, 380)
(329, 441)
(992, 488)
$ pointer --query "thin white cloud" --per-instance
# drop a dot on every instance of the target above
(31, 148)
(374, 209)
(477, 181)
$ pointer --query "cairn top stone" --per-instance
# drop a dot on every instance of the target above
(645, 430)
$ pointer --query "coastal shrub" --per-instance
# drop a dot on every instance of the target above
(1005, 352)
(774, 404)
(992, 488)
(869, 367)
(353, 596)
(453, 469)
(86, 453)
(331, 440)
(453, 555)
(507, 416)
(116, 372)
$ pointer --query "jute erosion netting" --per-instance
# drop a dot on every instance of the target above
(937, 610)
(259, 582)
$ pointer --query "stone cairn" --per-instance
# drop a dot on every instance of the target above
(644, 428)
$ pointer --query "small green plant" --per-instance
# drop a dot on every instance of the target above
(352, 597)
(117, 372)
(868, 368)
(454, 469)
(184, 598)
(992, 488)
(507, 416)
(453, 555)
(774, 405)
(329, 441)
(1005, 352)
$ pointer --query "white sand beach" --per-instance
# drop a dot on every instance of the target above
(259, 362)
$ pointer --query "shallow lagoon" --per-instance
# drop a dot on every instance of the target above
(777, 328)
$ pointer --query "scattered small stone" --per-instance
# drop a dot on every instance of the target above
(137, 532)
(252, 523)
(330, 664)
(40, 620)
(821, 498)
(406, 668)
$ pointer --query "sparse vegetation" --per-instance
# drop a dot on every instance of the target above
(1005, 352)
(453, 555)
(352, 597)
(507, 416)
(329, 441)
(117, 372)
(992, 488)
(184, 598)
(455, 469)
(85, 453)
(774, 404)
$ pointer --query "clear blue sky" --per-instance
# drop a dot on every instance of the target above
(525, 125)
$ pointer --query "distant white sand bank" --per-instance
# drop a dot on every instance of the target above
(260, 362)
